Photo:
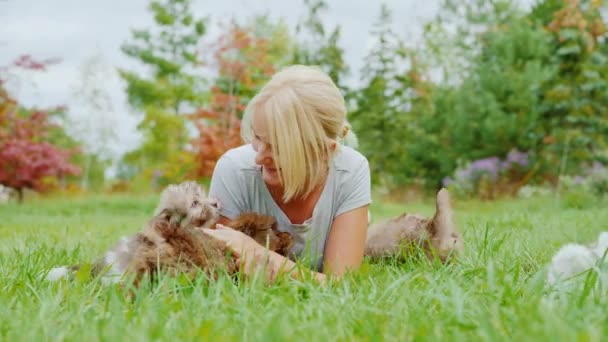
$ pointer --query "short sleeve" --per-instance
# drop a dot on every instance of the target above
(356, 190)
(227, 187)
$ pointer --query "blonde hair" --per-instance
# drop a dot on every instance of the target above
(305, 113)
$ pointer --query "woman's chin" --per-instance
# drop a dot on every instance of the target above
(272, 181)
(271, 178)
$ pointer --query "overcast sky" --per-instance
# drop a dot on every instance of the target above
(76, 30)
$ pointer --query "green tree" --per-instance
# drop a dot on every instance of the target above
(318, 45)
(382, 108)
(575, 116)
(172, 85)
(452, 38)
(496, 107)
(169, 51)
(536, 82)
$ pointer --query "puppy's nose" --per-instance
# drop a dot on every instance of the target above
(215, 203)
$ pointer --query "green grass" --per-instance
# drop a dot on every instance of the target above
(495, 293)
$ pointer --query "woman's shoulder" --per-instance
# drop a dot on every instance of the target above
(353, 180)
(349, 160)
(238, 158)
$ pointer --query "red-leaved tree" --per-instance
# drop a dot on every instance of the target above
(244, 63)
(27, 159)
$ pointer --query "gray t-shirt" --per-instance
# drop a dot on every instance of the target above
(238, 185)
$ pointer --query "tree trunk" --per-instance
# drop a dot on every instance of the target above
(19, 195)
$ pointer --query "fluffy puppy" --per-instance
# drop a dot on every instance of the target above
(573, 259)
(436, 236)
(172, 243)
(187, 205)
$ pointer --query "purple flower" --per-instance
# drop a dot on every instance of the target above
(464, 174)
(516, 157)
(489, 165)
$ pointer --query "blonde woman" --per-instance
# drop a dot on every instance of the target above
(295, 168)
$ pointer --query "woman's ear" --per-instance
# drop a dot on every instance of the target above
(333, 145)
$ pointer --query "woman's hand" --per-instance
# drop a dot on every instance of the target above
(239, 243)
(250, 256)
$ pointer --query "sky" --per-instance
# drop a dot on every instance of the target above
(77, 31)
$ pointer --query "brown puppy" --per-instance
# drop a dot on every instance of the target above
(172, 242)
(437, 236)
(172, 249)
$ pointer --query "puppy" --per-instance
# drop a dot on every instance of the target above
(172, 243)
(574, 259)
(437, 236)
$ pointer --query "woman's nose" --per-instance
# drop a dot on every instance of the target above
(263, 155)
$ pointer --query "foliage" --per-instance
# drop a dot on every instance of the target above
(489, 78)
(575, 100)
(491, 177)
(170, 56)
(318, 45)
(496, 108)
(593, 180)
(381, 110)
(533, 82)
(163, 140)
(29, 158)
(174, 86)
(246, 57)
(452, 39)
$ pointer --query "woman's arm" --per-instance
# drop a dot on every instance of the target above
(346, 242)
(344, 249)
(253, 256)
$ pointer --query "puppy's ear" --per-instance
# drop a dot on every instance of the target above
(164, 214)
(176, 220)
(171, 217)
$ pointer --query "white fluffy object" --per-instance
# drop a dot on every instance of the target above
(57, 273)
(573, 259)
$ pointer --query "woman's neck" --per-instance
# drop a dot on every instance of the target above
(299, 208)
(278, 193)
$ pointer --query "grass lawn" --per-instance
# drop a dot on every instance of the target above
(495, 293)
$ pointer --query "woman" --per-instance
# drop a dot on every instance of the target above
(294, 168)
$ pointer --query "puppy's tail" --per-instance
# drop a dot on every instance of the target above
(446, 237)
(444, 217)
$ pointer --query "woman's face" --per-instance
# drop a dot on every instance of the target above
(263, 149)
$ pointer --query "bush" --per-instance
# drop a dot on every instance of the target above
(489, 178)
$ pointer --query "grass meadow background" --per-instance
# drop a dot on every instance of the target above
(494, 293)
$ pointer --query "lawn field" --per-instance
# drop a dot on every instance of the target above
(494, 293)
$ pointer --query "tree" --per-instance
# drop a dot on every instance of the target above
(383, 110)
(171, 86)
(452, 39)
(318, 45)
(28, 160)
(575, 116)
(93, 126)
(535, 83)
(171, 57)
(246, 56)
